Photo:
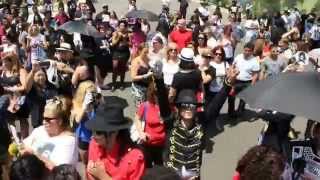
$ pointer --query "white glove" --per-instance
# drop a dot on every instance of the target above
(88, 99)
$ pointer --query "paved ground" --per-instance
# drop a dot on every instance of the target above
(228, 144)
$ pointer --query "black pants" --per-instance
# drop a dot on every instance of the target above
(153, 155)
(239, 86)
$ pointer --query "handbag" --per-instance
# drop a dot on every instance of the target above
(134, 133)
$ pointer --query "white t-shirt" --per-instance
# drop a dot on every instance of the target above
(168, 70)
(246, 67)
(212, 43)
(315, 33)
(37, 51)
(62, 149)
(228, 48)
(155, 57)
(221, 72)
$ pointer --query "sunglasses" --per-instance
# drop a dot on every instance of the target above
(173, 50)
(47, 119)
(188, 106)
(218, 54)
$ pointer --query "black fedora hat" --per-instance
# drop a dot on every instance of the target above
(109, 119)
(187, 96)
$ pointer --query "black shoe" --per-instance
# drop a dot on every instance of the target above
(232, 115)
(105, 87)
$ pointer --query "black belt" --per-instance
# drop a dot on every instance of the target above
(239, 81)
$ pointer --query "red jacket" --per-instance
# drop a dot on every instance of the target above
(130, 167)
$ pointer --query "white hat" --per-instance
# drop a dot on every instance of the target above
(187, 55)
(64, 47)
(251, 25)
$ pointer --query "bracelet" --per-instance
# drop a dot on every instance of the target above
(228, 83)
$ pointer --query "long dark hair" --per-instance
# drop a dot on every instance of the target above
(125, 141)
(222, 51)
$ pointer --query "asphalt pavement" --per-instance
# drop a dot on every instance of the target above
(227, 143)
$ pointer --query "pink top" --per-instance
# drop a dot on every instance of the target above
(137, 38)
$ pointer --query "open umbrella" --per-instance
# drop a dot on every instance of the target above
(80, 27)
(292, 93)
(143, 14)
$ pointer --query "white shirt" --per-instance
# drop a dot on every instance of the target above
(37, 51)
(155, 57)
(212, 43)
(221, 72)
(228, 48)
(62, 149)
(168, 70)
(166, 3)
(315, 33)
(246, 67)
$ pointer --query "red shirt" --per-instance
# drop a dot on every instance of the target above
(130, 167)
(181, 38)
(61, 19)
(154, 125)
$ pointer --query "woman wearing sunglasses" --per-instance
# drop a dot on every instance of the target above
(170, 64)
(185, 130)
(52, 142)
(112, 154)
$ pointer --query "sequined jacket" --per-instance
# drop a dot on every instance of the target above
(184, 146)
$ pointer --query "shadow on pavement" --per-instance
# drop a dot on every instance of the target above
(216, 127)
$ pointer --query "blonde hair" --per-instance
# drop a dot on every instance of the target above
(59, 106)
(77, 101)
(34, 33)
(170, 46)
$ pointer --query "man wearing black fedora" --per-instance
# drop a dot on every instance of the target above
(186, 129)
(111, 152)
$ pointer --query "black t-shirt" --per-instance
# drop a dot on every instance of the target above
(36, 101)
(187, 80)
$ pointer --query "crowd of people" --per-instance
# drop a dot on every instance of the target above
(182, 74)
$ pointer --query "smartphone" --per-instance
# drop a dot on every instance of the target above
(44, 64)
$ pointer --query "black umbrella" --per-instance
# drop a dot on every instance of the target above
(143, 14)
(293, 93)
(80, 27)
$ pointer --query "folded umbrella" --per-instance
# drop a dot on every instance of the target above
(143, 14)
(80, 27)
(292, 93)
